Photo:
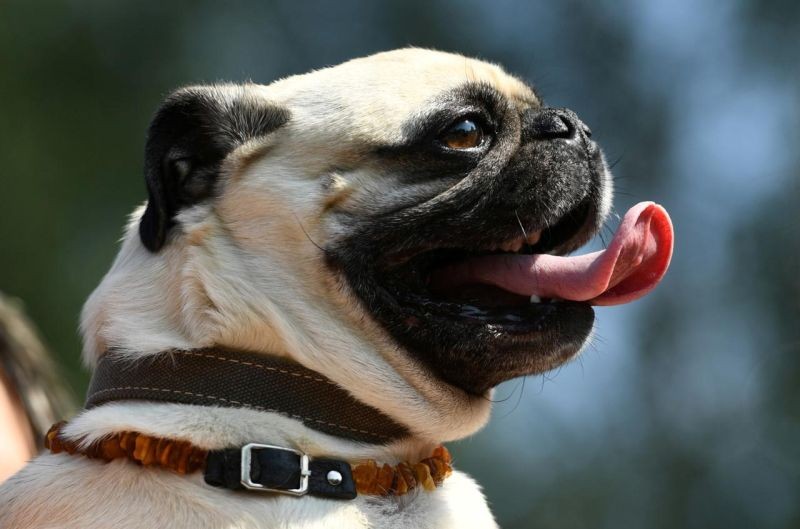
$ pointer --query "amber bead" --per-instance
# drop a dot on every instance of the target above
(184, 458)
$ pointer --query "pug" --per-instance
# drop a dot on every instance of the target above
(397, 224)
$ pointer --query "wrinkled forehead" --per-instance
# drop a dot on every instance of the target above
(374, 96)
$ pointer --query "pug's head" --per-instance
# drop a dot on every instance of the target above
(310, 217)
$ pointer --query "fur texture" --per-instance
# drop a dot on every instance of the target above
(228, 252)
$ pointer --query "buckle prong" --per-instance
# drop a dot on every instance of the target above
(247, 481)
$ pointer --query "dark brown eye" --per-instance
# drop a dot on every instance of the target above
(465, 134)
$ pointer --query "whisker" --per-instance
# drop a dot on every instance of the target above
(519, 398)
(504, 399)
(521, 227)
(524, 233)
(307, 235)
(602, 239)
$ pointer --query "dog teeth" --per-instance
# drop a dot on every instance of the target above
(515, 245)
(534, 237)
(512, 246)
(535, 299)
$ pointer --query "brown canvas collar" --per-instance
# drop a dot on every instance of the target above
(239, 379)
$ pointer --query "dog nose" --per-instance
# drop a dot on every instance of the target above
(552, 123)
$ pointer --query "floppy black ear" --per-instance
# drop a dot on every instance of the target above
(189, 137)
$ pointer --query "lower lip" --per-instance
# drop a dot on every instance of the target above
(531, 318)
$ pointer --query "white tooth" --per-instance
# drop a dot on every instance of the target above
(535, 299)
(534, 237)
(514, 245)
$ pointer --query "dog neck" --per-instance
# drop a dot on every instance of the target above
(236, 380)
(241, 379)
(187, 297)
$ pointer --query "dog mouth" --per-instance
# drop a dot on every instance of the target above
(492, 304)
(418, 279)
(514, 284)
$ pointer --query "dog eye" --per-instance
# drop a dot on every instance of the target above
(464, 134)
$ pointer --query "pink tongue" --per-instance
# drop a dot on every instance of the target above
(629, 268)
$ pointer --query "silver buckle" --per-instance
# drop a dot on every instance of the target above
(247, 457)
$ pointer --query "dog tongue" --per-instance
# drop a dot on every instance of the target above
(629, 268)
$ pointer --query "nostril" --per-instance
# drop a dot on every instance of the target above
(553, 126)
(548, 124)
(561, 128)
(551, 123)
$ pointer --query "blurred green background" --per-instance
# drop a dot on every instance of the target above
(685, 412)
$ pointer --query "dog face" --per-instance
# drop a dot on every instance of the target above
(310, 215)
(476, 170)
